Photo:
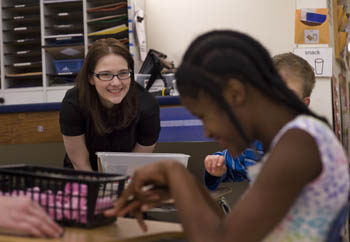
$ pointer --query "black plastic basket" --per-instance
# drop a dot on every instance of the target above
(70, 197)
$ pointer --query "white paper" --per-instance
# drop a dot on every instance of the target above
(319, 58)
(70, 51)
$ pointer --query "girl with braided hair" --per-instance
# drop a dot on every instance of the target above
(221, 166)
(229, 81)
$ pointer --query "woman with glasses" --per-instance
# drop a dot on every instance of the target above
(107, 110)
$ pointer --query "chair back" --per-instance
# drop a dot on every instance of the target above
(335, 233)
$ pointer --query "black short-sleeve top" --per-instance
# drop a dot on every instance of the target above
(144, 129)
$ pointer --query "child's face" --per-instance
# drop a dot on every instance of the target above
(216, 123)
(113, 91)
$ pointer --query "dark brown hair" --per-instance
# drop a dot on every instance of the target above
(298, 66)
(216, 57)
(120, 115)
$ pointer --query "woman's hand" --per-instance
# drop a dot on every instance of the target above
(22, 216)
(148, 188)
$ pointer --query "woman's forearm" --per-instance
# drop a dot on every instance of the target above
(77, 152)
(80, 159)
(81, 165)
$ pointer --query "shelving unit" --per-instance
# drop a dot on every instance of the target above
(44, 43)
(21, 44)
(107, 19)
(63, 40)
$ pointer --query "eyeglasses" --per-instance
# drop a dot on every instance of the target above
(107, 76)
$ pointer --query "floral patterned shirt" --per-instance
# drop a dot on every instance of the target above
(311, 215)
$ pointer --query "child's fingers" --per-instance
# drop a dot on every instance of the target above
(207, 163)
(148, 206)
(122, 202)
(155, 195)
(220, 161)
(140, 220)
(130, 208)
(213, 165)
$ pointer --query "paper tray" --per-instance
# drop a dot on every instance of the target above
(125, 163)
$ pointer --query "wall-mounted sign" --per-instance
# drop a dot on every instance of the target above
(319, 58)
(312, 26)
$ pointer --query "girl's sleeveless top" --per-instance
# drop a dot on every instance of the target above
(310, 217)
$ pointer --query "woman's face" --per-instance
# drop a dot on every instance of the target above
(216, 123)
(113, 91)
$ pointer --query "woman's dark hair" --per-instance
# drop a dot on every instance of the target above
(120, 115)
(218, 56)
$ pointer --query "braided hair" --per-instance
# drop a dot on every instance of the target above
(215, 57)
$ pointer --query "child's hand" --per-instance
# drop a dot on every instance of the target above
(22, 216)
(215, 165)
(148, 188)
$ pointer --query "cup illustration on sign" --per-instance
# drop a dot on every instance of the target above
(319, 66)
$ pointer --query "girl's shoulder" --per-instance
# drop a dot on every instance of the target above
(318, 129)
(330, 149)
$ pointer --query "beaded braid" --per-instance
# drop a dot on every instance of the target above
(215, 57)
(270, 81)
(211, 86)
(269, 73)
(226, 55)
(266, 76)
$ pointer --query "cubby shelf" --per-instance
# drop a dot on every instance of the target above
(38, 34)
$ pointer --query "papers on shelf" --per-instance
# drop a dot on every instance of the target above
(112, 30)
(24, 74)
(117, 16)
(60, 1)
(63, 36)
(65, 52)
(107, 7)
(25, 64)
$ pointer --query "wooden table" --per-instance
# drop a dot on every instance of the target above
(124, 230)
(167, 211)
(220, 192)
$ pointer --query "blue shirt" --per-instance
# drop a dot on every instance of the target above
(236, 167)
